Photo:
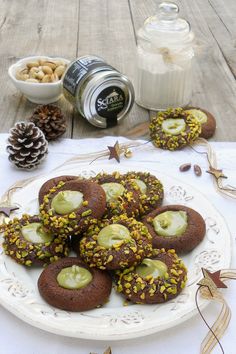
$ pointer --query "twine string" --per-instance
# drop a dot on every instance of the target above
(208, 326)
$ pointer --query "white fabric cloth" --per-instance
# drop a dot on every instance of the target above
(18, 337)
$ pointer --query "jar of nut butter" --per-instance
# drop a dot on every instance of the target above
(100, 93)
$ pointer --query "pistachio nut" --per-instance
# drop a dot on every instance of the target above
(42, 71)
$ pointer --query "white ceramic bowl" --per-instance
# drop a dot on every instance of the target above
(42, 93)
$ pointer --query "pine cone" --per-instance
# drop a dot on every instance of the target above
(27, 145)
(50, 120)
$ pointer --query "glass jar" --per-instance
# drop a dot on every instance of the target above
(101, 94)
(164, 60)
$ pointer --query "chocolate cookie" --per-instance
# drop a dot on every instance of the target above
(206, 119)
(28, 243)
(51, 183)
(122, 196)
(174, 128)
(115, 243)
(151, 190)
(157, 279)
(175, 226)
(70, 206)
(71, 285)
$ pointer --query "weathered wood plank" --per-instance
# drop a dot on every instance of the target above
(214, 82)
(46, 28)
(105, 29)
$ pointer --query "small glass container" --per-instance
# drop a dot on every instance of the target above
(164, 60)
(101, 94)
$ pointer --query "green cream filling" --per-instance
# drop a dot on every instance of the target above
(170, 223)
(173, 126)
(151, 267)
(142, 186)
(199, 115)
(74, 277)
(35, 233)
(113, 190)
(112, 235)
(67, 201)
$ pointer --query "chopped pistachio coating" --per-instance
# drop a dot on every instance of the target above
(198, 114)
(142, 186)
(112, 235)
(74, 277)
(35, 233)
(62, 224)
(173, 126)
(152, 267)
(65, 202)
(23, 248)
(130, 248)
(151, 190)
(145, 287)
(171, 223)
(164, 139)
(113, 190)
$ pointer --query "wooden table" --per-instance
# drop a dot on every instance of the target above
(108, 28)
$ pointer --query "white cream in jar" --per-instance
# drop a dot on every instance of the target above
(164, 60)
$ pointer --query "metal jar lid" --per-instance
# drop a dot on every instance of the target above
(107, 98)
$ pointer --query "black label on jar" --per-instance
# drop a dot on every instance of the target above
(109, 103)
(79, 69)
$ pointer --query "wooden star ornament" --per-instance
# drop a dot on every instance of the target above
(115, 152)
(216, 173)
(7, 209)
(211, 280)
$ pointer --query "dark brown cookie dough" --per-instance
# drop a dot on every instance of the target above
(165, 129)
(208, 127)
(148, 285)
(151, 190)
(92, 295)
(115, 243)
(127, 202)
(186, 241)
(29, 253)
(51, 183)
(77, 221)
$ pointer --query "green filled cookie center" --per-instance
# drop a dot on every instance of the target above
(113, 190)
(151, 267)
(141, 185)
(173, 126)
(170, 223)
(35, 233)
(74, 277)
(67, 201)
(113, 235)
(199, 115)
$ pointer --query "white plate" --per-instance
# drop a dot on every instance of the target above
(18, 285)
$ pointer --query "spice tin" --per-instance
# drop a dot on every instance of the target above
(101, 94)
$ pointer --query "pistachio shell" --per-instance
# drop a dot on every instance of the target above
(40, 75)
(33, 71)
(25, 77)
(59, 70)
(33, 75)
(22, 75)
(51, 64)
(54, 77)
(46, 78)
(42, 61)
(32, 64)
(58, 62)
(47, 69)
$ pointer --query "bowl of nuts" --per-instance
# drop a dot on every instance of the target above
(39, 78)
